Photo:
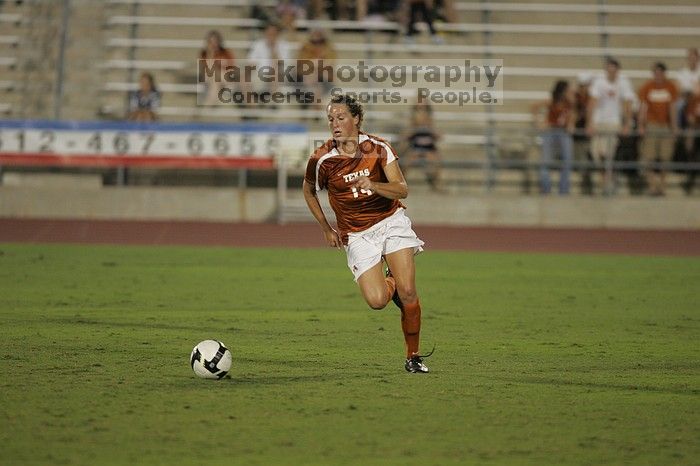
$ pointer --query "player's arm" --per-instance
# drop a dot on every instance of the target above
(332, 237)
(394, 188)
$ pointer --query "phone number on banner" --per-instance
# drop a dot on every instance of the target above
(96, 147)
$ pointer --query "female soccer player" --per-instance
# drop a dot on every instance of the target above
(364, 184)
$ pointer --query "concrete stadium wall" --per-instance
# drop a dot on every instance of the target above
(88, 201)
(581, 212)
(79, 197)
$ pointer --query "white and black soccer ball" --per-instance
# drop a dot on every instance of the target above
(210, 359)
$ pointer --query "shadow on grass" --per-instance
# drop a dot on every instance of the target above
(257, 380)
(251, 380)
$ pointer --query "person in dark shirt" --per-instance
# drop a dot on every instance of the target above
(144, 102)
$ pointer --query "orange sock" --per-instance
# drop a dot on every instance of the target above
(410, 324)
(390, 288)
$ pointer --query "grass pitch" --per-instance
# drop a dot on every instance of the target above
(541, 359)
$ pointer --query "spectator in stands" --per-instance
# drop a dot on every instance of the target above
(609, 113)
(424, 9)
(219, 57)
(658, 125)
(378, 11)
(444, 10)
(288, 11)
(267, 51)
(689, 76)
(692, 112)
(558, 129)
(420, 142)
(144, 102)
(336, 9)
(314, 9)
(582, 142)
(318, 49)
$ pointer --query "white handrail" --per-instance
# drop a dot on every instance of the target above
(270, 3)
(578, 8)
(432, 49)
(393, 26)
(471, 116)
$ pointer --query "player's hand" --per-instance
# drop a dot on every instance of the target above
(333, 238)
(363, 183)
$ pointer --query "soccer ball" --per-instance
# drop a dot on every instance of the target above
(210, 359)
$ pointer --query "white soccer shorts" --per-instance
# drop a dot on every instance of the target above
(366, 248)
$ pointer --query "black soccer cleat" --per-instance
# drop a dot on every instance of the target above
(395, 296)
(415, 365)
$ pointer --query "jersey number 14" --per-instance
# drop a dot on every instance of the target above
(363, 191)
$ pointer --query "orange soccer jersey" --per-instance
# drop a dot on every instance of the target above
(355, 210)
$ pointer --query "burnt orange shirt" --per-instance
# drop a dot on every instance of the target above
(355, 210)
(659, 99)
(559, 114)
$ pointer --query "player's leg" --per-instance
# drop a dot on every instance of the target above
(403, 269)
(400, 246)
(365, 261)
(403, 266)
(375, 287)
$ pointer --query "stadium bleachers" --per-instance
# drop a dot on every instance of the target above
(538, 42)
(10, 22)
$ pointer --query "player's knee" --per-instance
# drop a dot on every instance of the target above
(376, 304)
(376, 300)
(407, 294)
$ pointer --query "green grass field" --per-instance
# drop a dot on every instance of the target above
(541, 359)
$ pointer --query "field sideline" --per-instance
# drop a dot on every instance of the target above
(541, 359)
(512, 239)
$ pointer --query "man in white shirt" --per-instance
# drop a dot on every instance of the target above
(689, 76)
(687, 79)
(266, 51)
(609, 113)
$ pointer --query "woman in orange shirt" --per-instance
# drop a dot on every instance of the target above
(364, 182)
(559, 128)
(218, 57)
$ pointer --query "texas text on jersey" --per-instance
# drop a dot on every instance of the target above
(355, 209)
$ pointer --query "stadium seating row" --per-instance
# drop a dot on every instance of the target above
(537, 41)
